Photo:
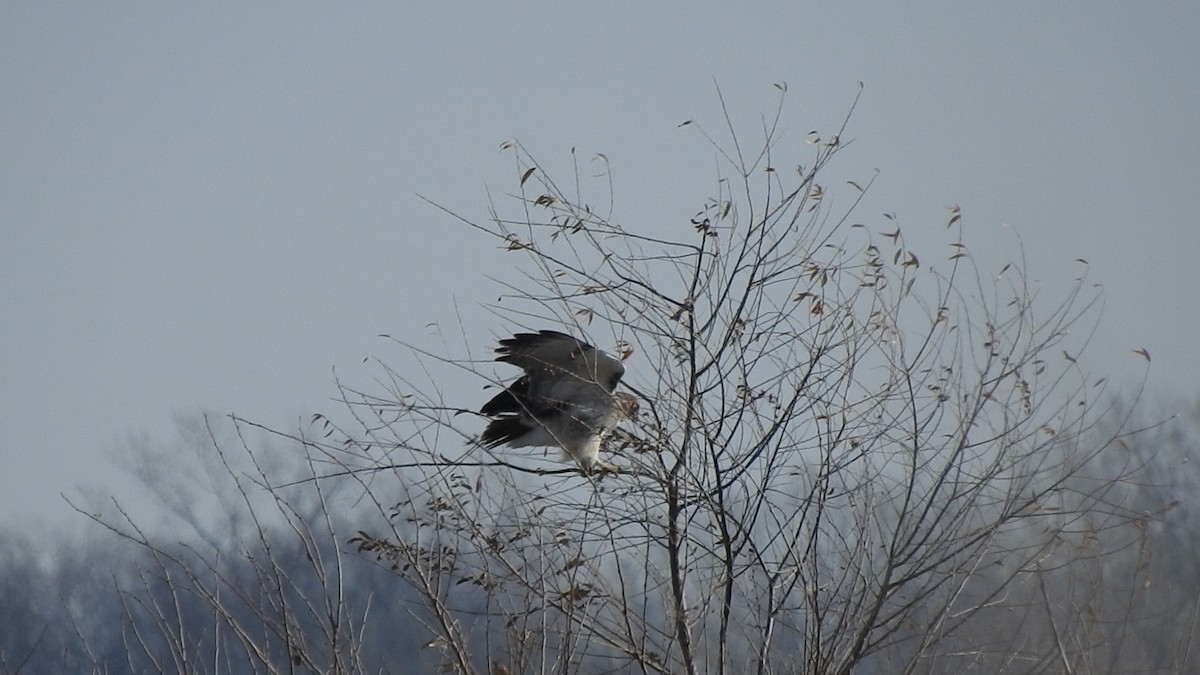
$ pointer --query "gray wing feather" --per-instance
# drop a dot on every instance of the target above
(549, 356)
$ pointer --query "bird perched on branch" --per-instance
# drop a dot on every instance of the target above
(565, 399)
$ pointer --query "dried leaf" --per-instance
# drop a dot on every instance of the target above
(1142, 351)
(955, 215)
(528, 172)
(624, 350)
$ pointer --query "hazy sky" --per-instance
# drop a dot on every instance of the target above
(208, 206)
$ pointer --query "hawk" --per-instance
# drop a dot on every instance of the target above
(565, 399)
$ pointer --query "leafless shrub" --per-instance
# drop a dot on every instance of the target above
(849, 451)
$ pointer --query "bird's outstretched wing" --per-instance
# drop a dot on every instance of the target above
(551, 355)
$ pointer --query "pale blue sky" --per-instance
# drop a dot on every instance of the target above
(207, 206)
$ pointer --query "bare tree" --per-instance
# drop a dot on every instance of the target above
(848, 453)
(243, 575)
(1133, 594)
